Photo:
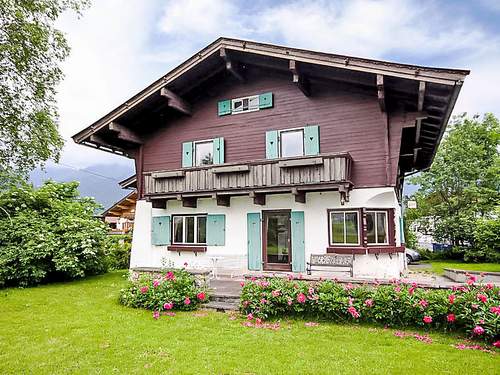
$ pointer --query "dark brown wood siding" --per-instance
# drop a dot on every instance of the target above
(350, 120)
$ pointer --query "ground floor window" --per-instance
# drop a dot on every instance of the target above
(190, 229)
(344, 227)
(376, 227)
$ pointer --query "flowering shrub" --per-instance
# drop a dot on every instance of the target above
(473, 308)
(171, 290)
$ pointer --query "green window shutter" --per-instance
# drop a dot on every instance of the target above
(187, 154)
(224, 107)
(298, 241)
(401, 230)
(254, 241)
(272, 144)
(160, 230)
(219, 150)
(216, 230)
(266, 100)
(311, 140)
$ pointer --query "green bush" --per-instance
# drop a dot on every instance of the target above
(170, 290)
(118, 247)
(48, 234)
(472, 308)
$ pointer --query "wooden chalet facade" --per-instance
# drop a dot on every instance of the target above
(260, 156)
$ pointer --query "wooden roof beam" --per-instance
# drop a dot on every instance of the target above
(381, 92)
(176, 102)
(231, 66)
(125, 134)
(420, 107)
(299, 79)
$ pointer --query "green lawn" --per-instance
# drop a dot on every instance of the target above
(79, 327)
(438, 266)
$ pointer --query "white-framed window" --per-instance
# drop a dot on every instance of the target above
(246, 104)
(203, 152)
(344, 227)
(377, 228)
(189, 229)
(291, 142)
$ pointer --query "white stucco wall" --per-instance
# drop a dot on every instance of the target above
(234, 252)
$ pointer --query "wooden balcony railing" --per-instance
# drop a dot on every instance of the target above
(297, 174)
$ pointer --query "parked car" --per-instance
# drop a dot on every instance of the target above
(412, 256)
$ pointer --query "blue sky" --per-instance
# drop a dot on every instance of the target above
(118, 47)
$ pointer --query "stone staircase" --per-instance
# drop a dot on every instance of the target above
(224, 295)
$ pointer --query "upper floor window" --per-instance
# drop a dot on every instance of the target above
(344, 227)
(247, 104)
(190, 229)
(291, 143)
(203, 153)
(376, 227)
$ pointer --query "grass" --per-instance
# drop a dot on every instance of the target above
(438, 266)
(79, 327)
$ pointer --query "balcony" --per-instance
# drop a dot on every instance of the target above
(296, 175)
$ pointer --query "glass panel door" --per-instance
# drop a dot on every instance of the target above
(277, 240)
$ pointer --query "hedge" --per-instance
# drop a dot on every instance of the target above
(473, 308)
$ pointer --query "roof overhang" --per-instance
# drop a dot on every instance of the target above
(119, 131)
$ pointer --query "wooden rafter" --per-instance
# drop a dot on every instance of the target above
(381, 92)
(258, 198)
(125, 134)
(231, 66)
(418, 127)
(222, 200)
(176, 102)
(299, 79)
(300, 196)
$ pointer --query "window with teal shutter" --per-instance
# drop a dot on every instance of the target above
(187, 154)
(160, 230)
(254, 241)
(298, 241)
(224, 107)
(218, 150)
(216, 230)
(266, 100)
(272, 144)
(311, 140)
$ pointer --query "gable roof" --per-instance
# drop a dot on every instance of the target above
(442, 87)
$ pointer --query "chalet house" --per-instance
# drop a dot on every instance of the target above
(258, 156)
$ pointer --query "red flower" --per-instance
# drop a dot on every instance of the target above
(242, 284)
(489, 286)
(423, 303)
(352, 310)
(170, 276)
(411, 291)
(301, 298)
(495, 310)
(427, 319)
(450, 318)
(201, 296)
(187, 301)
(482, 298)
(451, 298)
(144, 289)
(496, 344)
(478, 330)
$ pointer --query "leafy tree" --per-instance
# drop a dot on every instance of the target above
(462, 186)
(31, 49)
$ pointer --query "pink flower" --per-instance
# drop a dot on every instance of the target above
(450, 318)
(264, 284)
(311, 324)
(301, 298)
(156, 315)
(201, 296)
(242, 284)
(246, 303)
(482, 298)
(352, 310)
(311, 290)
(495, 310)
(348, 286)
(250, 316)
(263, 301)
(451, 298)
(496, 344)
(397, 289)
(471, 280)
(144, 289)
(423, 303)
(478, 330)
(427, 319)
(475, 306)
(411, 291)
(290, 277)
(258, 321)
(489, 286)
(187, 301)
(168, 306)
(369, 302)
(170, 276)
(290, 301)
(275, 293)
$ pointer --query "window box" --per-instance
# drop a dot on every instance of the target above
(184, 248)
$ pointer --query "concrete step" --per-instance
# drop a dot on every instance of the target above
(224, 297)
(221, 306)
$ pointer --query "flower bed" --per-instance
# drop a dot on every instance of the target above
(474, 308)
(169, 290)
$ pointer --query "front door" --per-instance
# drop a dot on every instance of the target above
(276, 247)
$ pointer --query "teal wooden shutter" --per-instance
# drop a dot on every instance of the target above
(224, 107)
(160, 230)
(254, 241)
(271, 144)
(219, 150)
(311, 140)
(266, 100)
(298, 242)
(401, 230)
(216, 230)
(187, 154)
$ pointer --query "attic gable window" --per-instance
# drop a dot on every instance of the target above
(247, 104)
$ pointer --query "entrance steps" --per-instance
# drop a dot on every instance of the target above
(224, 295)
